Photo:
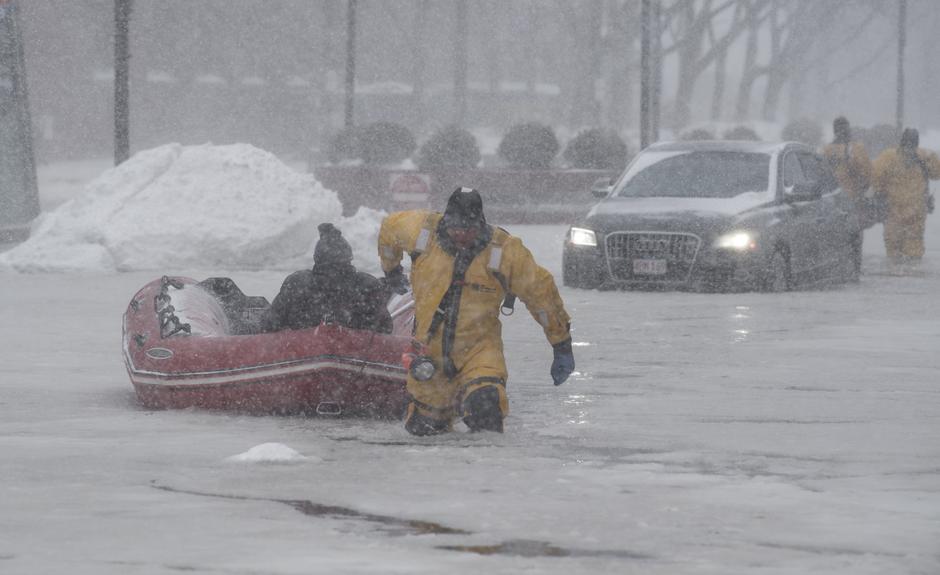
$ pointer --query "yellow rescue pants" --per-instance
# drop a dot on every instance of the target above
(441, 398)
(904, 236)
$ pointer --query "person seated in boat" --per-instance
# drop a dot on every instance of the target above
(333, 291)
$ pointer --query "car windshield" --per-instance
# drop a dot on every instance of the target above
(711, 174)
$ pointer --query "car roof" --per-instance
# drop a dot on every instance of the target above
(725, 146)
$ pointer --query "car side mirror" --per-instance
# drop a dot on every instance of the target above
(803, 192)
(601, 187)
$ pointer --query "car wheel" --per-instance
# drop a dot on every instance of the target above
(579, 276)
(568, 278)
(778, 277)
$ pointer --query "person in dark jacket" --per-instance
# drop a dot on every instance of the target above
(333, 291)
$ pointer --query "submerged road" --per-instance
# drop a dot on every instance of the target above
(703, 433)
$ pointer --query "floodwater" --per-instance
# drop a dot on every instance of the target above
(702, 433)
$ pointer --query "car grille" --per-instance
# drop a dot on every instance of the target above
(678, 251)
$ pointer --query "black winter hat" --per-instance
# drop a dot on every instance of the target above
(464, 209)
(332, 248)
(910, 138)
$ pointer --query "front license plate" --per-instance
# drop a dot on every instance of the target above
(649, 267)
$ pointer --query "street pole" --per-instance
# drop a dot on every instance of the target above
(656, 81)
(122, 13)
(350, 63)
(902, 41)
(19, 196)
(645, 74)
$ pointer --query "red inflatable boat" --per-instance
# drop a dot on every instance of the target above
(192, 344)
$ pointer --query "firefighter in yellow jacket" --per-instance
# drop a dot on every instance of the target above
(849, 161)
(902, 175)
(462, 271)
(852, 168)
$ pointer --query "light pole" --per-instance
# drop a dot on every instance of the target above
(19, 197)
(656, 79)
(122, 15)
(902, 41)
(350, 63)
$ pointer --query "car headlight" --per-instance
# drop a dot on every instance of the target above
(582, 237)
(739, 241)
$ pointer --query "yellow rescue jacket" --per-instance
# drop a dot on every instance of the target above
(905, 186)
(504, 265)
(851, 166)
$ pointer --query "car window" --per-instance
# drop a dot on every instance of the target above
(809, 166)
(792, 171)
(711, 174)
(817, 171)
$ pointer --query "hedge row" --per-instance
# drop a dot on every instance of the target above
(534, 146)
(525, 146)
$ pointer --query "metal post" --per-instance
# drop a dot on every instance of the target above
(350, 62)
(122, 13)
(19, 196)
(902, 41)
(645, 74)
(656, 81)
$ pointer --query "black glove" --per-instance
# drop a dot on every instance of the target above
(396, 281)
(563, 364)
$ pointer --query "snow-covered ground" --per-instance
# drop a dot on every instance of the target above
(739, 433)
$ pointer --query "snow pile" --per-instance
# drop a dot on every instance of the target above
(183, 207)
(271, 453)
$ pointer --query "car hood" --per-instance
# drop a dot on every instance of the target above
(674, 213)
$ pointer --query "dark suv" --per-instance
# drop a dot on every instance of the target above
(717, 216)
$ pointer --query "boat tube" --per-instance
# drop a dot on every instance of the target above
(190, 344)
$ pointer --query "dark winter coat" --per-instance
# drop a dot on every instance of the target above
(329, 293)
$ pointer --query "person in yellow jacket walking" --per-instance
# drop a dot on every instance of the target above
(462, 271)
(902, 175)
(852, 168)
(849, 161)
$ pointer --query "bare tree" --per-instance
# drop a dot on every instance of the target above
(461, 61)
(689, 23)
(585, 27)
(792, 39)
(619, 47)
(417, 66)
(753, 16)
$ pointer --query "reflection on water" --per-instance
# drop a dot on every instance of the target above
(580, 417)
(741, 314)
(577, 400)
